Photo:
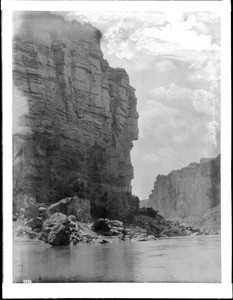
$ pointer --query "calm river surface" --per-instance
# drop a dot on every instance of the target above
(182, 259)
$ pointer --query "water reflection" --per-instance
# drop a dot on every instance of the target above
(184, 259)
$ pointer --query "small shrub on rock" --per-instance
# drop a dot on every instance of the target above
(148, 211)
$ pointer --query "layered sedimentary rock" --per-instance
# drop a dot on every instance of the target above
(74, 118)
(190, 191)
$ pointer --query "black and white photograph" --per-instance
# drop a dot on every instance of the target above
(119, 136)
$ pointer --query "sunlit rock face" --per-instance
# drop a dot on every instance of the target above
(190, 191)
(74, 118)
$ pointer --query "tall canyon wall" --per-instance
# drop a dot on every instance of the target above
(190, 191)
(75, 118)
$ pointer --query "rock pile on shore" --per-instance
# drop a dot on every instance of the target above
(159, 227)
(69, 222)
(209, 223)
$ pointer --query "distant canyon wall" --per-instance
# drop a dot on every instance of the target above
(190, 191)
(74, 116)
(144, 203)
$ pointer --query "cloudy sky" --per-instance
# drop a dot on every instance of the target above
(173, 60)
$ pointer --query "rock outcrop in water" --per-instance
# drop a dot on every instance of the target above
(60, 229)
(190, 191)
(56, 230)
(75, 118)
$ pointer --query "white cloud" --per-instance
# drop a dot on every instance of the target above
(190, 103)
(17, 21)
(178, 138)
(150, 158)
(202, 23)
(173, 93)
(136, 37)
(204, 102)
(151, 33)
(167, 153)
(207, 68)
(213, 128)
(164, 65)
(174, 16)
(177, 37)
(159, 121)
(163, 156)
(208, 17)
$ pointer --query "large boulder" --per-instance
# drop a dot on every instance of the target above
(115, 223)
(72, 218)
(59, 235)
(101, 226)
(108, 227)
(143, 237)
(56, 218)
(76, 206)
(56, 230)
(44, 213)
(35, 223)
(81, 216)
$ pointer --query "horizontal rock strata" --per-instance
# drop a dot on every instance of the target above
(190, 191)
(74, 118)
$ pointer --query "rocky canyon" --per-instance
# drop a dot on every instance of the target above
(88, 87)
(75, 118)
(74, 122)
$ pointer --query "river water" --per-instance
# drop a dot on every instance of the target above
(182, 259)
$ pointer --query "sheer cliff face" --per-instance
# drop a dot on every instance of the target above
(190, 191)
(79, 119)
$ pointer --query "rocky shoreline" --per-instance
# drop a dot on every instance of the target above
(69, 222)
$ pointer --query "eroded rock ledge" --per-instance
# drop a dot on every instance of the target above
(76, 118)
